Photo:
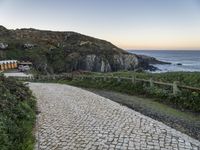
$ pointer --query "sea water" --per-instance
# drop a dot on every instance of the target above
(189, 60)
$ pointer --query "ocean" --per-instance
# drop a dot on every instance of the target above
(190, 60)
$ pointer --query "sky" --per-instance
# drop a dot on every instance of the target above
(129, 24)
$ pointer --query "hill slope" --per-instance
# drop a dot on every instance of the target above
(57, 52)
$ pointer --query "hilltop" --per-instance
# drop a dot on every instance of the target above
(57, 52)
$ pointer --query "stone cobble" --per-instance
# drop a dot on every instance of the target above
(74, 119)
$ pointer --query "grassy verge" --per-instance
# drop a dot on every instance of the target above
(17, 115)
(185, 100)
(184, 78)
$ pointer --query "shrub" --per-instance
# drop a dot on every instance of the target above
(17, 115)
(186, 100)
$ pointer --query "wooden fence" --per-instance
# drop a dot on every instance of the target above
(176, 87)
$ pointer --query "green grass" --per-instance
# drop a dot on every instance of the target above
(17, 115)
(184, 78)
(184, 100)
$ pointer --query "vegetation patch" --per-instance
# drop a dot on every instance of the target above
(184, 100)
(184, 78)
(17, 115)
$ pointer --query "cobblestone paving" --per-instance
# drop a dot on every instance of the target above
(75, 119)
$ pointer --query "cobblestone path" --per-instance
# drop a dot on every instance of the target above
(75, 119)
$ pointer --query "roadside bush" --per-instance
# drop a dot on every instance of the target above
(184, 100)
(184, 78)
(17, 115)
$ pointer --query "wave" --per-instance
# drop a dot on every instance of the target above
(189, 61)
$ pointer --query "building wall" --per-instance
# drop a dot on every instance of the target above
(9, 64)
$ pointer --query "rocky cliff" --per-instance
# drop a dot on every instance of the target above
(56, 52)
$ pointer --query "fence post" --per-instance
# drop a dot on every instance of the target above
(72, 76)
(133, 79)
(175, 88)
(118, 79)
(151, 83)
(81, 77)
(93, 78)
(104, 78)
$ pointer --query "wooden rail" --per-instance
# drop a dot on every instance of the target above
(189, 88)
(175, 86)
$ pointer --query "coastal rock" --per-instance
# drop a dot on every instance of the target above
(105, 66)
(90, 62)
(114, 63)
(125, 62)
(130, 62)
(152, 60)
(95, 63)
(179, 64)
(85, 43)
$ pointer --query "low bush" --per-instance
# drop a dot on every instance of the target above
(184, 100)
(17, 115)
(184, 78)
